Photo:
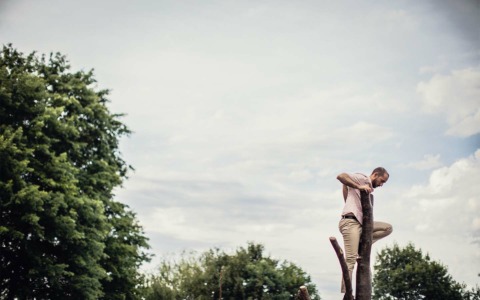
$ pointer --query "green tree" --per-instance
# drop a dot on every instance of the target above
(247, 274)
(62, 235)
(473, 294)
(406, 273)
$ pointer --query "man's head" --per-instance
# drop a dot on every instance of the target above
(379, 177)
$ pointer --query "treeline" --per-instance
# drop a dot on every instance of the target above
(409, 274)
(246, 274)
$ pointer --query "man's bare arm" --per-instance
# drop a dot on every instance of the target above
(346, 180)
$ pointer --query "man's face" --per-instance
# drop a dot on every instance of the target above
(379, 180)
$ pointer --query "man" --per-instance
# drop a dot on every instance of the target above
(352, 216)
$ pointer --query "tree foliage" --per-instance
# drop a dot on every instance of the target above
(406, 273)
(247, 274)
(473, 294)
(62, 235)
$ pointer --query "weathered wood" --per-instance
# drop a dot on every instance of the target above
(303, 293)
(343, 264)
(363, 289)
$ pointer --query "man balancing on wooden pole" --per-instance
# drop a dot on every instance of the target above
(350, 224)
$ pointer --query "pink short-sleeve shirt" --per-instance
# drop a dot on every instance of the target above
(353, 203)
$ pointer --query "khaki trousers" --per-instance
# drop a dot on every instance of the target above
(351, 231)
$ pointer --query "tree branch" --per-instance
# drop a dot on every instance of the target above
(343, 265)
(364, 277)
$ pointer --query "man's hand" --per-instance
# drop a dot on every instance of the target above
(347, 181)
(366, 188)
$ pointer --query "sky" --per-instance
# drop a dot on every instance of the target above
(244, 112)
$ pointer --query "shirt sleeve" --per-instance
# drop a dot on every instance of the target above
(358, 178)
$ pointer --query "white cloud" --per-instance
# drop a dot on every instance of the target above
(428, 162)
(451, 189)
(441, 216)
(364, 132)
(457, 96)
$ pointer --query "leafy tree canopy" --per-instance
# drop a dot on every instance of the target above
(247, 274)
(62, 235)
(406, 273)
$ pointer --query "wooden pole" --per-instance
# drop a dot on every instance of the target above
(303, 293)
(364, 277)
(343, 264)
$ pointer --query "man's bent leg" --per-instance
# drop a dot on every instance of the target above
(380, 230)
(351, 231)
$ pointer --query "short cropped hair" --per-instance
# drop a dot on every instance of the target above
(380, 171)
